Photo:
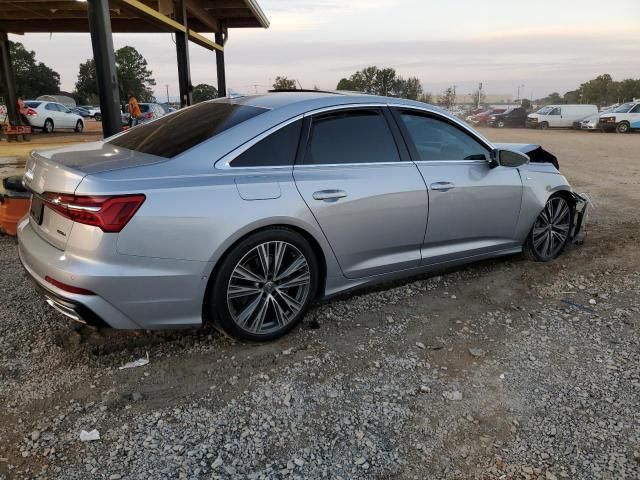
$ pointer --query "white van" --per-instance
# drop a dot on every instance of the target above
(622, 119)
(559, 115)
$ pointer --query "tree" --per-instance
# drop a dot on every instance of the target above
(203, 91)
(345, 84)
(284, 83)
(448, 98)
(134, 77)
(87, 83)
(133, 74)
(573, 96)
(551, 99)
(526, 104)
(410, 88)
(32, 78)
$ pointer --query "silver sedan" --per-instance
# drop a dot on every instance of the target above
(244, 211)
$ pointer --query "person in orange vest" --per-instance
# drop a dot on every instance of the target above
(134, 110)
(22, 111)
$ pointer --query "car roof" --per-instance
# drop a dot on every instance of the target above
(304, 101)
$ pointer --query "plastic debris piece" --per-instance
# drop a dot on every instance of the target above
(141, 362)
(89, 436)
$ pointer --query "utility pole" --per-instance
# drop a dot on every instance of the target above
(479, 96)
(167, 85)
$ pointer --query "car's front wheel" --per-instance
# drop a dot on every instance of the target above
(264, 286)
(622, 127)
(543, 126)
(501, 124)
(550, 232)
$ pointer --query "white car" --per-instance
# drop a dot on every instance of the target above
(50, 115)
(622, 119)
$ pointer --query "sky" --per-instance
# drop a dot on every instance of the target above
(540, 45)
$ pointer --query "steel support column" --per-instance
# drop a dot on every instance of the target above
(222, 81)
(102, 43)
(182, 53)
(8, 80)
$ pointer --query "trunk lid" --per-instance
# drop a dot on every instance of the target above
(61, 171)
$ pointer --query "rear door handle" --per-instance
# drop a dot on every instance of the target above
(329, 195)
(444, 186)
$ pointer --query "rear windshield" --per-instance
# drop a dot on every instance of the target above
(32, 104)
(144, 107)
(179, 131)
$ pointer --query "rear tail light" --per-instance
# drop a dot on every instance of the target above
(31, 111)
(149, 115)
(68, 288)
(110, 213)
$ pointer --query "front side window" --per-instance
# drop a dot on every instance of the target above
(351, 136)
(555, 111)
(436, 139)
(635, 109)
(173, 134)
(277, 149)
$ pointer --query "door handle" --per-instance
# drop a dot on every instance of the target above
(329, 195)
(444, 186)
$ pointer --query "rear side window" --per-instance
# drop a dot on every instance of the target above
(353, 136)
(277, 149)
(51, 106)
(173, 134)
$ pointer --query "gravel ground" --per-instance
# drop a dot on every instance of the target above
(501, 370)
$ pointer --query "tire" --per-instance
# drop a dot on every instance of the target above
(246, 301)
(550, 232)
(543, 126)
(79, 126)
(500, 124)
(622, 127)
(97, 117)
(48, 126)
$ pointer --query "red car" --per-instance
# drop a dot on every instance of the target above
(482, 119)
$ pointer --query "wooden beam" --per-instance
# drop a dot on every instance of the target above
(207, 18)
(166, 23)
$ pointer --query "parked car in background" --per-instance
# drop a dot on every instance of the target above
(150, 111)
(83, 112)
(167, 108)
(244, 211)
(482, 118)
(559, 116)
(94, 112)
(622, 119)
(516, 117)
(590, 122)
(50, 115)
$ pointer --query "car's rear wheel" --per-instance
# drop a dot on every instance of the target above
(79, 126)
(550, 232)
(543, 126)
(48, 126)
(622, 127)
(97, 117)
(264, 285)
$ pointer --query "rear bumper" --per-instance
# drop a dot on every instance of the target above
(131, 292)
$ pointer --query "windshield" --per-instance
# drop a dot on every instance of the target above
(177, 132)
(624, 108)
(544, 111)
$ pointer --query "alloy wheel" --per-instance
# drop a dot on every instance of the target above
(551, 230)
(268, 287)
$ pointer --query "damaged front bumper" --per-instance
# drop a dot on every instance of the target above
(578, 231)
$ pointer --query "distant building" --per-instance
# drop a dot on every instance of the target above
(490, 98)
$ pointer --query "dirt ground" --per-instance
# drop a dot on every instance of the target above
(502, 369)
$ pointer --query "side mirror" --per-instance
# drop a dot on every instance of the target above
(508, 158)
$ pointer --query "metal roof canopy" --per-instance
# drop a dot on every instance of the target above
(187, 18)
